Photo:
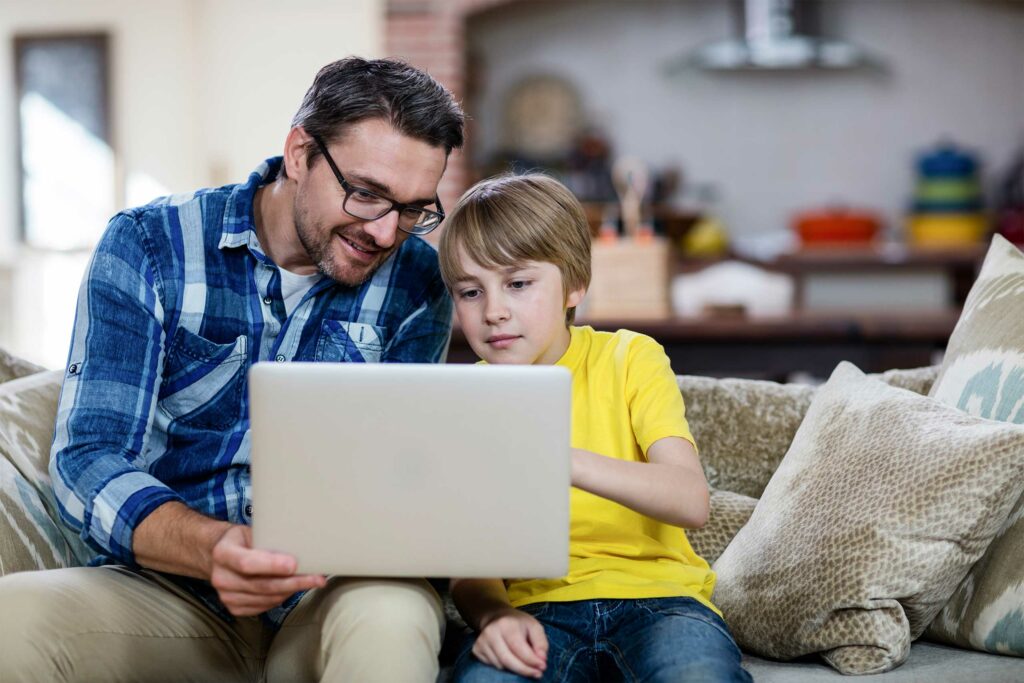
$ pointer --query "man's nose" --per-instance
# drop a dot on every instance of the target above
(384, 230)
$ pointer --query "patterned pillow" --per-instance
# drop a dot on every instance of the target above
(729, 512)
(882, 504)
(31, 534)
(12, 367)
(983, 374)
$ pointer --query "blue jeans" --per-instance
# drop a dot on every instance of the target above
(662, 639)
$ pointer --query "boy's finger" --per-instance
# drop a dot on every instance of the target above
(511, 662)
(522, 650)
(538, 638)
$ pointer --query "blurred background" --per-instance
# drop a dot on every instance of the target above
(773, 185)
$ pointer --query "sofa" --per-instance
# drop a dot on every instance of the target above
(744, 429)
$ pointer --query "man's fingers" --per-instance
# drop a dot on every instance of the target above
(227, 580)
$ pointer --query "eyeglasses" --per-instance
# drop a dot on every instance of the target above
(367, 205)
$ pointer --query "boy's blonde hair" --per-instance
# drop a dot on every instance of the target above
(509, 219)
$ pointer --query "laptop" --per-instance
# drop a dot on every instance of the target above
(412, 470)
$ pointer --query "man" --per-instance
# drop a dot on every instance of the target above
(313, 259)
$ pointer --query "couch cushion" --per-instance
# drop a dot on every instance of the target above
(927, 663)
(983, 374)
(877, 511)
(31, 535)
(12, 367)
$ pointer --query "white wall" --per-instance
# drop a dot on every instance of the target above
(203, 90)
(774, 142)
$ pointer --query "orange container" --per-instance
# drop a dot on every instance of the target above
(835, 226)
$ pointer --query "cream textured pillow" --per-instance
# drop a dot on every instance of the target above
(875, 514)
(983, 374)
(12, 367)
(31, 534)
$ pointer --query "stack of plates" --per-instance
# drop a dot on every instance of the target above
(948, 207)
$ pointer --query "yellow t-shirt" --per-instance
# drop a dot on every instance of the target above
(624, 398)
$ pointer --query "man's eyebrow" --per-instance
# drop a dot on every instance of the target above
(382, 188)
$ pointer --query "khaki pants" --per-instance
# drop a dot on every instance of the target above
(112, 624)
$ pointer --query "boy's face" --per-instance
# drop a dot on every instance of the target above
(514, 314)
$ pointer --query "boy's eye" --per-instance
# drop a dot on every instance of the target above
(469, 293)
(519, 284)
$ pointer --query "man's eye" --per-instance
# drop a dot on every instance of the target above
(363, 195)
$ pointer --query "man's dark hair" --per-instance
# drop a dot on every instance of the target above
(354, 89)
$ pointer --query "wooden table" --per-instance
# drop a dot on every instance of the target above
(776, 348)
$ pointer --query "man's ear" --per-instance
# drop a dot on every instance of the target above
(574, 297)
(295, 152)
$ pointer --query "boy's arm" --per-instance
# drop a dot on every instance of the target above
(670, 487)
(479, 601)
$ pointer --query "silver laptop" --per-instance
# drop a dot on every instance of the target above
(412, 470)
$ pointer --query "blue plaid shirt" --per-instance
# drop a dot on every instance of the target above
(178, 302)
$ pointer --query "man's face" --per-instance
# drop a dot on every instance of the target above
(374, 156)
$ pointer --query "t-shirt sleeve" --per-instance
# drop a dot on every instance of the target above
(656, 407)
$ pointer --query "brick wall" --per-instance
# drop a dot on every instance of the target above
(430, 34)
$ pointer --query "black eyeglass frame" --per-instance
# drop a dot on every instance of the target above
(349, 188)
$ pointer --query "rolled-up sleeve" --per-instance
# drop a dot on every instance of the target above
(109, 395)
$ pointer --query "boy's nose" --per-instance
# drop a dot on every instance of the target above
(496, 310)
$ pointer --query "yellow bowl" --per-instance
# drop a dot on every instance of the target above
(948, 228)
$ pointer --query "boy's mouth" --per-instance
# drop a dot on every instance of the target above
(501, 341)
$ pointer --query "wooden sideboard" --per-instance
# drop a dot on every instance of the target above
(778, 348)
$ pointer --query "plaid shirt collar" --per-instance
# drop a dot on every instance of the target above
(239, 219)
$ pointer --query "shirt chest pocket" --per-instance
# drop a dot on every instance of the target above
(204, 381)
(342, 341)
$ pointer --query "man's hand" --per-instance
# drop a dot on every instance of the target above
(513, 640)
(251, 581)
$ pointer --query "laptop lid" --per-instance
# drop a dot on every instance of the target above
(412, 470)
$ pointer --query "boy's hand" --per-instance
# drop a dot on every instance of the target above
(514, 640)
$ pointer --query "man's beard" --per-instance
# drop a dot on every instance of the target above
(319, 247)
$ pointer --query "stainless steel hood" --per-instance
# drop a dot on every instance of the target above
(778, 35)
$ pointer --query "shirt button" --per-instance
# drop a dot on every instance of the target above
(73, 369)
(248, 510)
(280, 358)
(267, 300)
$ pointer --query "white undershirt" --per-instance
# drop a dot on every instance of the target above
(294, 287)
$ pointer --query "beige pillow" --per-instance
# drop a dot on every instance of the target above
(31, 534)
(875, 514)
(983, 374)
(729, 512)
(12, 367)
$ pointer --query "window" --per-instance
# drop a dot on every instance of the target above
(67, 164)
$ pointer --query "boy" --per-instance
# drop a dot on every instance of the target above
(516, 257)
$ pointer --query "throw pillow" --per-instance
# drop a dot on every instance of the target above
(729, 512)
(883, 502)
(31, 534)
(983, 374)
(12, 367)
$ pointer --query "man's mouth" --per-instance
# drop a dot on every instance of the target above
(362, 252)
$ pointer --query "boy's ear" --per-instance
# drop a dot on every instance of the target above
(575, 297)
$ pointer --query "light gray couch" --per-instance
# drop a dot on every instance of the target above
(743, 427)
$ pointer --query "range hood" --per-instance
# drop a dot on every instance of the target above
(778, 35)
